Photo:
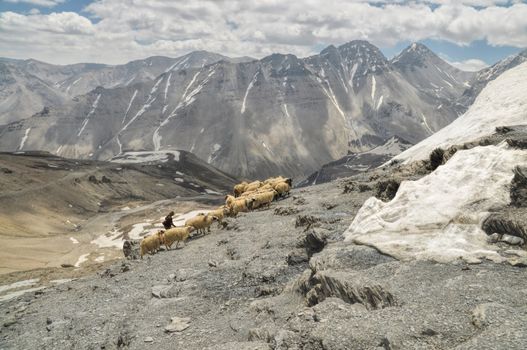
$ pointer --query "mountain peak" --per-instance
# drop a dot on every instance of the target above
(416, 49)
(414, 55)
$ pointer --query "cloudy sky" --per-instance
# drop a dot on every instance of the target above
(468, 33)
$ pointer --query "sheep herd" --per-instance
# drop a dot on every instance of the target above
(247, 196)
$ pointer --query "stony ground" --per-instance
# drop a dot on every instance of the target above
(280, 278)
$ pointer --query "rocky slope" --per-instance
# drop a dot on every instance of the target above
(27, 86)
(46, 199)
(280, 114)
(279, 279)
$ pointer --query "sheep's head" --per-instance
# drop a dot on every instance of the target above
(161, 236)
(289, 181)
(214, 218)
(190, 229)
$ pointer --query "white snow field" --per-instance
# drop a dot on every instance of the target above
(439, 216)
(502, 102)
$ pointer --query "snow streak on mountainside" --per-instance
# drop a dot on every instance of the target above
(280, 114)
(502, 102)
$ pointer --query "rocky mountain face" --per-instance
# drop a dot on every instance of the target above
(280, 114)
(22, 94)
(27, 86)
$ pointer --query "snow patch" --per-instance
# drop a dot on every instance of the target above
(353, 71)
(74, 241)
(373, 87)
(145, 157)
(249, 87)
(19, 284)
(331, 96)
(24, 139)
(82, 259)
(267, 148)
(129, 105)
(18, 293)
(439, 216)
(425, 123)
(214, 153)
(379, 103)
(87, 118)
(75, 82)
(167, 85)
(286, 111)
(61, 281)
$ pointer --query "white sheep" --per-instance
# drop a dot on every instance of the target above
(177, 234)
(239, 205)
(152, 243)
(262, 199)
(239, 188)
(253, 186)
(201, 222)
(282, 188)
(220, 213)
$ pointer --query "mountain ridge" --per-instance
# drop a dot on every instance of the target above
(279, 114)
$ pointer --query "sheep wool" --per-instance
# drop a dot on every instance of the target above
(201, 222)
(262, 199)
(282, 188)
(220, 213)
(177, 234)
(151, 243)
(240, 205)
(239, 189)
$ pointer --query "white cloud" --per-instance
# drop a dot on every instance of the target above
(470, 65)
(116, 31)
(45, 3)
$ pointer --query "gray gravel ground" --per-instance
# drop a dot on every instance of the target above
(255, 285)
